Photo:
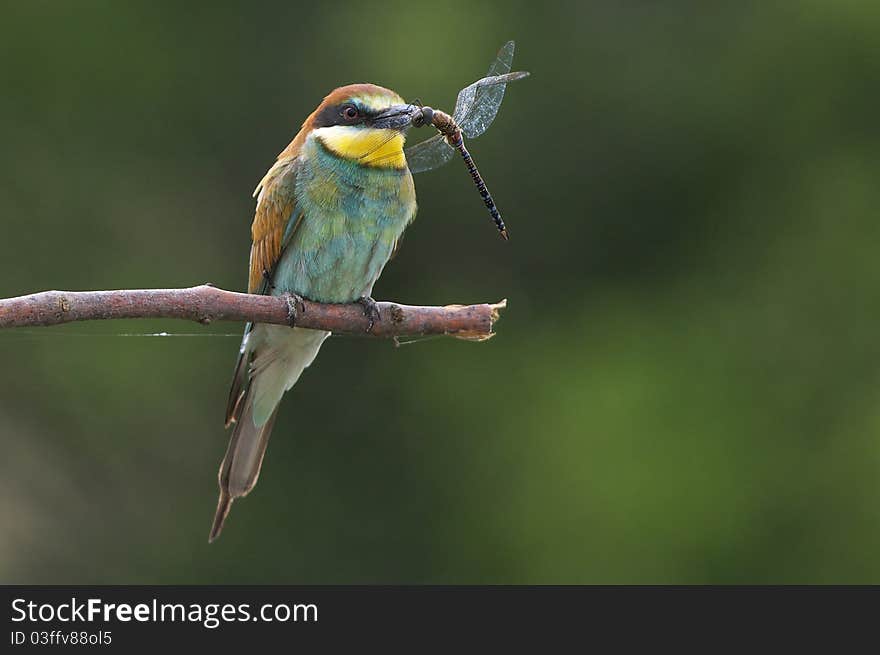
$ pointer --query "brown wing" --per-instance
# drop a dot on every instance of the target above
(276, 202)
(275, 206)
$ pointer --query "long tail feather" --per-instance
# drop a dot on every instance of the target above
(224, 504)
(241, 466)
(267, 367)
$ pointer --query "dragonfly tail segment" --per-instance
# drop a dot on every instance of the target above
(481, 187)
(446, 125)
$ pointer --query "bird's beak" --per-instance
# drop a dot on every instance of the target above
(396, 117)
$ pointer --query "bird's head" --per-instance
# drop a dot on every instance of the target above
(364, 123)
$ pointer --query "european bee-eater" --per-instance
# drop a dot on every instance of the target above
(330, 212)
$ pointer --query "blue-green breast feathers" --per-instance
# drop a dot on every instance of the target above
(350, 219)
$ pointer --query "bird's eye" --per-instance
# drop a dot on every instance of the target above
(350, 112)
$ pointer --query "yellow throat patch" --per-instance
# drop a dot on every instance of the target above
(364, 145)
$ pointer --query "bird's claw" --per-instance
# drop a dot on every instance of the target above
(295, 305)
(371, 310)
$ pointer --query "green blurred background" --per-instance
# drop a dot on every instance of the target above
(684, 389)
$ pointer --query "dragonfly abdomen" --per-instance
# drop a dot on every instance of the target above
(446, 125)
(481, 187)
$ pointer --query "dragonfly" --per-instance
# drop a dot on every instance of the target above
(475, 108)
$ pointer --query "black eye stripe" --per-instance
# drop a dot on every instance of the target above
(336, 115)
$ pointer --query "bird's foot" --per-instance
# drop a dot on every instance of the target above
(371, 310)
(295, 306)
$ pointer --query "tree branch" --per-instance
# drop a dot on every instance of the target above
(206, 303)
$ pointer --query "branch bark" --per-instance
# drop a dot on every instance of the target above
(207, 303)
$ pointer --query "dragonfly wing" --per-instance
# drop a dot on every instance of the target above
(478, 104)
(503, 61)
(475, 109)
(481, 103)
(428, 154)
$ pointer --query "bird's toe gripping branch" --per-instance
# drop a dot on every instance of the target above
(371, 311)
(295, 306)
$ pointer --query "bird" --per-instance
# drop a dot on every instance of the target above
(330, 213)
